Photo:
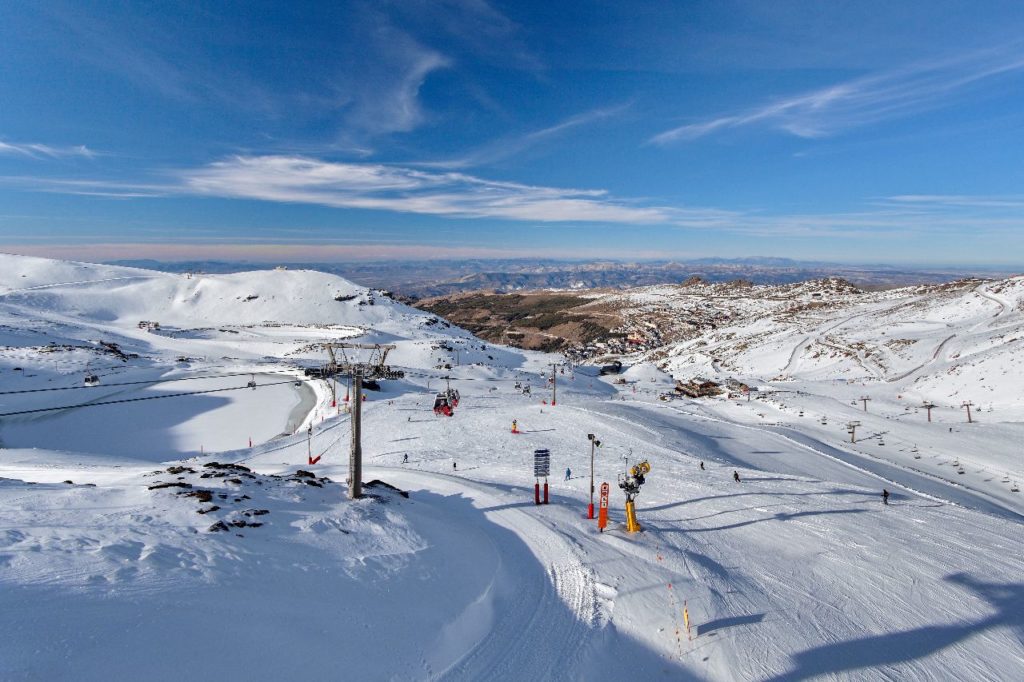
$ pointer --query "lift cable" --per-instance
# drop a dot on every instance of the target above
(134, 400)
(136, 383)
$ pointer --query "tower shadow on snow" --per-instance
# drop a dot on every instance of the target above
(893, 648)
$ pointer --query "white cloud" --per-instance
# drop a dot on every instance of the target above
(406, 190)
(862, 101)
(457, 195)
(37, 151)
(950, 201)
(386, 98)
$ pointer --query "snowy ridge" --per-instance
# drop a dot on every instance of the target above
(927, 339)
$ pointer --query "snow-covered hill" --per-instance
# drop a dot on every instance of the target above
(62, 321)
(152, 539)
(937, 341)
(116, 299)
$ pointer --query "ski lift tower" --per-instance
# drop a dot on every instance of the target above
(374, 367)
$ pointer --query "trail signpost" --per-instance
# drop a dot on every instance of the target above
(541, 469)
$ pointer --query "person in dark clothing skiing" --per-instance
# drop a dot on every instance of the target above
(568, 473)
(405, 458)
(455, 466)
(885, 496)
(736, 476)
(702, 466)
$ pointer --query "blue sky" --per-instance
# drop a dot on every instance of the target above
(872, 132)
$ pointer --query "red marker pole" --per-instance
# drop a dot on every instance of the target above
(536, 492)
(545, 491)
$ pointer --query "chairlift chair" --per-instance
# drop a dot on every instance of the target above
(92, 380)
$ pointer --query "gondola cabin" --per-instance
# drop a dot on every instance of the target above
(442, 406)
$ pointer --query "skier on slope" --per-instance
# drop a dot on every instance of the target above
(702, 466)
(885, 496)
(736, 476)
(568, 473)
(405, 458)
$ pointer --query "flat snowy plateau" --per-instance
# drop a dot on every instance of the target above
(165, 522)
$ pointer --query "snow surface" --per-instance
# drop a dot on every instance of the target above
(796, 572)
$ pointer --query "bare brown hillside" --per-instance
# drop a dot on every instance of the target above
(535, 320)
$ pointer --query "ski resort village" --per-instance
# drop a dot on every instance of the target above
(280, 474)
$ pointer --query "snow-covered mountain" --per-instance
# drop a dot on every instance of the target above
(118, 298)
(937, 340)
(174, 521)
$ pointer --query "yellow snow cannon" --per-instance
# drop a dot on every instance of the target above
(630, 483)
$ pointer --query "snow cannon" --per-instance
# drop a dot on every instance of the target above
(630, 483)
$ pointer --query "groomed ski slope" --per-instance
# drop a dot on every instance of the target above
(785, 576)
(797, 572)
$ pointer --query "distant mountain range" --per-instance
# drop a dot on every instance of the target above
(421, 279)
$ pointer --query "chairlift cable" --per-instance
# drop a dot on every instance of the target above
(134, 400)
(134, 383)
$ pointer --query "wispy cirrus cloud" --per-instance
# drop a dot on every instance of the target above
(380, 93)
(383, 187)
(458, 195)
(36, 150)
(959, 201)
(407, 190)
(863, 101)
(510, 146)
(355, 65)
